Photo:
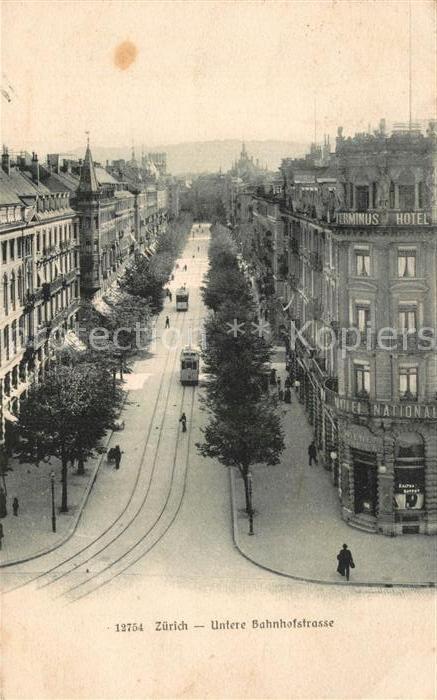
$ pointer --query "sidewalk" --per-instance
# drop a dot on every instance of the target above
(299, 530)
(30, 535)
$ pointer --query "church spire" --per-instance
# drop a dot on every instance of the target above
(88, 179)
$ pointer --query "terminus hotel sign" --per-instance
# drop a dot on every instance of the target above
(382, 218)
(381, 409)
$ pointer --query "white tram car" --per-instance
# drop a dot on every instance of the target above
(190, 360)
(182, 299)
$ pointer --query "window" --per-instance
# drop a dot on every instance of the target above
(408, 383)
(406, 197)
(362, 263)
(5, 294)
(4, 253)
(362, 197)
(38, 242)
(12, 249)
(392, 198)
(406, 263)
(6, 342)
(409, 472)
(408, 318)
(362, 380)
(20, 287)
(421, 198)
(12, 295)
(362, 316)
(19, 248)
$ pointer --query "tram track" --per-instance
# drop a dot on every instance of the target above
(74, 569)
(144, 539)
(102, 534)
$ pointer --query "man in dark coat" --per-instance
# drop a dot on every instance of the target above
(345, 561)
(183, 420)
(3, 509)
(117, 456)
(312, 453)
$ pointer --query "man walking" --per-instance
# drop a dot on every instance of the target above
(117, 456)
(15, 505)
(183, 420)
(345, 561)
(312, 453)
(167, 322)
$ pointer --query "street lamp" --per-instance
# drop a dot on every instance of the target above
(52, 480)
(249, 488)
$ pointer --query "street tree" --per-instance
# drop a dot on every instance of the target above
(244, 435)
(66, 415)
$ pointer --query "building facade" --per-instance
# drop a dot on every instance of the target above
(353, 276)
(39, 233)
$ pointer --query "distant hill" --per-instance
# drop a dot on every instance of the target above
(209, 156)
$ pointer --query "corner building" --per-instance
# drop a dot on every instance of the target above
(385, 229)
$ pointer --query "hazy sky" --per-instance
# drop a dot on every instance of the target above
(210, 70)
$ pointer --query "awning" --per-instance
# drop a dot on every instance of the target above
(7, 415)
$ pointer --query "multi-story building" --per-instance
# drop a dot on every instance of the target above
(107, 222)
(386, 235)
(359, 287)
(39, 233)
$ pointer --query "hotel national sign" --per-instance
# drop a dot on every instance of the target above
(381, 218)
(382, 409)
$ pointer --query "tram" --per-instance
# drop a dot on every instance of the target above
(182, 299)
(190, 360)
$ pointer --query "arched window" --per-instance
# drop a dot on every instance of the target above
(5, 294)
(409, 483)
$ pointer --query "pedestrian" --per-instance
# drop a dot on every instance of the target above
(281, 394)
(198, 248)
(345, 562)
(172, 278)
(273, 377)
(194, 255)
(170, 295)
(3, 509)
(287, 395)
(167, 322)
(15, 505)
(312, 453)
(287, 383)
(177, 266)
(1, 535)
(183, 420)
(278, 381)
(117, 456)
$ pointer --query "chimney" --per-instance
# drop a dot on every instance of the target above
(35, 169)
(6, 162)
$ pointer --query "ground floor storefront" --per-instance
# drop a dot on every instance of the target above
(384, 470)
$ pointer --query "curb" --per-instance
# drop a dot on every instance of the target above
(320, 582)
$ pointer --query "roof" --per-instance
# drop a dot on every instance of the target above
(67, 179)
(88, 179)
(7, 192)
(103, 177)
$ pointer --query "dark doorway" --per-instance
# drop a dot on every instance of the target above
(365, 481)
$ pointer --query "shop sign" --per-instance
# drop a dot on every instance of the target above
(379, 218)
(382, 409)
(362, 439)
